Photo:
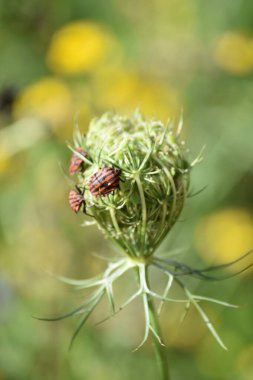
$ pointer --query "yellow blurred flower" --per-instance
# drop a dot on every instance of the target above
(126, 91)
(225, 236)
(49, 99)
(80, 47)
(234, 53)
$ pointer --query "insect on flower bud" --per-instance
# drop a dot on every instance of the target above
(133, 177)
(76, 161)
(137, 180)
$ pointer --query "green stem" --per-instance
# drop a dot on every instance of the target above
(161, 352)
(118, 231)
(173, 187)
(144, 211)
(114, 222)
(103, 227)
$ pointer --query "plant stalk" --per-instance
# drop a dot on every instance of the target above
(161, 352)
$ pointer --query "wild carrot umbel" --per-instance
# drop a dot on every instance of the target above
(133, 178)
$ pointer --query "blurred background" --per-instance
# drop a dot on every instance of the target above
(65, 58)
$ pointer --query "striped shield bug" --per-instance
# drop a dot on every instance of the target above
(105, 181)
(76, 162)
(76, 200)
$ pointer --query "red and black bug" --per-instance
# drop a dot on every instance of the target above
(76, 161)
(76, 200)
(105, 181)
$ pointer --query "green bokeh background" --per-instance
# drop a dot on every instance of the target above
(170, 46)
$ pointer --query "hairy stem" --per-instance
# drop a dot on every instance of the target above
(161, 352)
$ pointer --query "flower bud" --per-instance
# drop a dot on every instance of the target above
(134, 179)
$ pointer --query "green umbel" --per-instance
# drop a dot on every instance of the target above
(154, 179)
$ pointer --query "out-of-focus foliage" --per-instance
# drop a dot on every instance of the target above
(73, 59)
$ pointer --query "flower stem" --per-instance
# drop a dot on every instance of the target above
(144, 211)
(118, 231)
(161, 352)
